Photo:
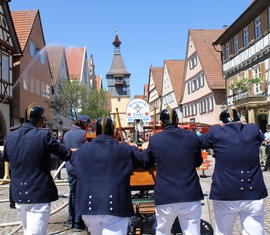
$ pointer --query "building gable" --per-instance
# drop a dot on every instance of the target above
(57, 62)
(34, 75)
(173, 79)
(204, 85)
(24, 21)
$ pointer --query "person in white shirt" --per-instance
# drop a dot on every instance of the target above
(267, 142)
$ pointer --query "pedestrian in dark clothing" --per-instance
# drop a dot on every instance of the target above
(74, 138)
(28, 148)
(238, 186)
(55, 161)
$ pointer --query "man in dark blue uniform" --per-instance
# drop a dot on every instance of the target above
(28, 149)
(238, 186)
(103, 168)
(176, 153)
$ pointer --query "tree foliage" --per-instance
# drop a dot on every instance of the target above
(99, 105)
(74, 96)
(244, 83)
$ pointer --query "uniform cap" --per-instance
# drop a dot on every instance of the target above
(104, 125)
(34, 113)
(85, 118)
(169, 116)
(229, 115)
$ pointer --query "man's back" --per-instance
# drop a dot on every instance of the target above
(74, 137)
(176, 153)
(29, 149)
(105, 166)
(237, 174)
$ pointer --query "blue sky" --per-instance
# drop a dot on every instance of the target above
(151, 31)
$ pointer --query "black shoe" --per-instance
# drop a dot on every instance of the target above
(78, 229)
(12, 205)
(68, 224)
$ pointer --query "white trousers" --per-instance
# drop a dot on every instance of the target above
(34, 217)
(188, 213)
(106, 224)
(251, 216)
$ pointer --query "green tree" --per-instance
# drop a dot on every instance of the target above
(99, 105)
(73, 98)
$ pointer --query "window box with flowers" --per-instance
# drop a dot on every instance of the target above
(244, 84)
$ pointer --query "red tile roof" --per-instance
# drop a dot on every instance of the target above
(146, 91)
(23, 23)
(209, 58)
(157, 74)
(138, 97)
(55, 55)
(75, 58)
(176, 73)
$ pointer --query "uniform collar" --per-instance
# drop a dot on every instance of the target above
(170, 127)
(29, 124)
(103, 137)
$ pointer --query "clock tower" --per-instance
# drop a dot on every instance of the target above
(118, 79)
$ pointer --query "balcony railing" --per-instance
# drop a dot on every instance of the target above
(118, 82)
(248, 53)
(238, 95)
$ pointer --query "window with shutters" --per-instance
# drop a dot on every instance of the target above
(26, 82)
(245, 36)
(236, 47)
(5, 68)
(258, 31)
(227, 51)
(32, 49)
(32, 84)
(188, 87)
(257, 86)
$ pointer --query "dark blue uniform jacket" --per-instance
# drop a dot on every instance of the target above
(73, 139)
(103, 168)
(28, 150)
(237, 174)
(176, 153)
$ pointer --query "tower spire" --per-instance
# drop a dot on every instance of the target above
(118, 77)
(116, 43)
